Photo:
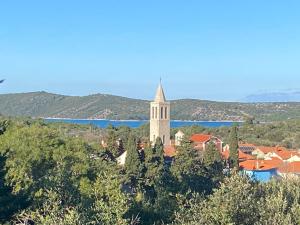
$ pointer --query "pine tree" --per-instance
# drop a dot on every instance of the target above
(234, 146)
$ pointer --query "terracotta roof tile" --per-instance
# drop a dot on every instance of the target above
(292, 167)
(260, 164)
(200, 137)
(169, 151)
(244, 156)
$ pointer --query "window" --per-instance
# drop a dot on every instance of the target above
(162, 112)
(155, 112)
(166, 113)
(163, 140)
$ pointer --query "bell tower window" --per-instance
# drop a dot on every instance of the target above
(166, 113)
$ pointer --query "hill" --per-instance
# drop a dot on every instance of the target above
(101, 106)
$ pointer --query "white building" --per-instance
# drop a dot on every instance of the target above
(178, 138)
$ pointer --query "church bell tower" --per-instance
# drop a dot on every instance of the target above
(160, 118)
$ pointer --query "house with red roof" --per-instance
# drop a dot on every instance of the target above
(264, 162)
(200, 141)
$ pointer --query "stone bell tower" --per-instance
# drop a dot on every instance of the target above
(160, 118)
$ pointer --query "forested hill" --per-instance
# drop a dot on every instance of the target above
(101, 106)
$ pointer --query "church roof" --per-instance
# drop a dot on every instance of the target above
(160, 95)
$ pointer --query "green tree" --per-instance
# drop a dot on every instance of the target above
(154, 162)
(233, 203)
(134, 166)
(211, 154)
(51, 212)
(189, 171)
(158, 202)
(10, 203)
(37, 159)
(213, 162)
(106, 203)
(103, 202)
(280, 202)
(112, 142)
(234, 147)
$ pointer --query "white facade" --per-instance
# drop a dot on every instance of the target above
(178, 138)
(160, 118)
(122, 159)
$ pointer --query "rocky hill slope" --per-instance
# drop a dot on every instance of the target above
(100, 106)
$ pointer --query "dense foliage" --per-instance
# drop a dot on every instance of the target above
(48, 175)
(241, 201)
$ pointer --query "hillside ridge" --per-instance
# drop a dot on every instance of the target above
(106, 106)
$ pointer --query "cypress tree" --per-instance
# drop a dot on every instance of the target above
(213, 163)
(112, 145)
(234, 146)
(211, 154)
(155, 161)
(133, 165)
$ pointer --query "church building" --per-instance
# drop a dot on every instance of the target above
(160, 118)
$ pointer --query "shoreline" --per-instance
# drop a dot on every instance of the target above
(188, 121)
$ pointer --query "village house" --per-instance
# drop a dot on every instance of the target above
(263, 162)
(200, 141)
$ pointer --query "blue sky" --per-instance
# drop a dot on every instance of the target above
(218, 50)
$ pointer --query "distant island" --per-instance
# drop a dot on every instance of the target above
(103, 106)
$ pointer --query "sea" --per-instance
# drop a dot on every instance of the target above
(138, 123)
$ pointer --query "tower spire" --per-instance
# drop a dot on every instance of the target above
(160, 95)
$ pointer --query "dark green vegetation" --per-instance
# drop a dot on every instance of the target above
(60, 174)
(42, 104)
(51, 175)
(240, 201)
(234, 146)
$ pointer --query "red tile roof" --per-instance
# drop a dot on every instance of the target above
(249, 162)
(200, 137)
(242, 156)
(282, 152)
(169, 151)
(292, 167)
(260, 164)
